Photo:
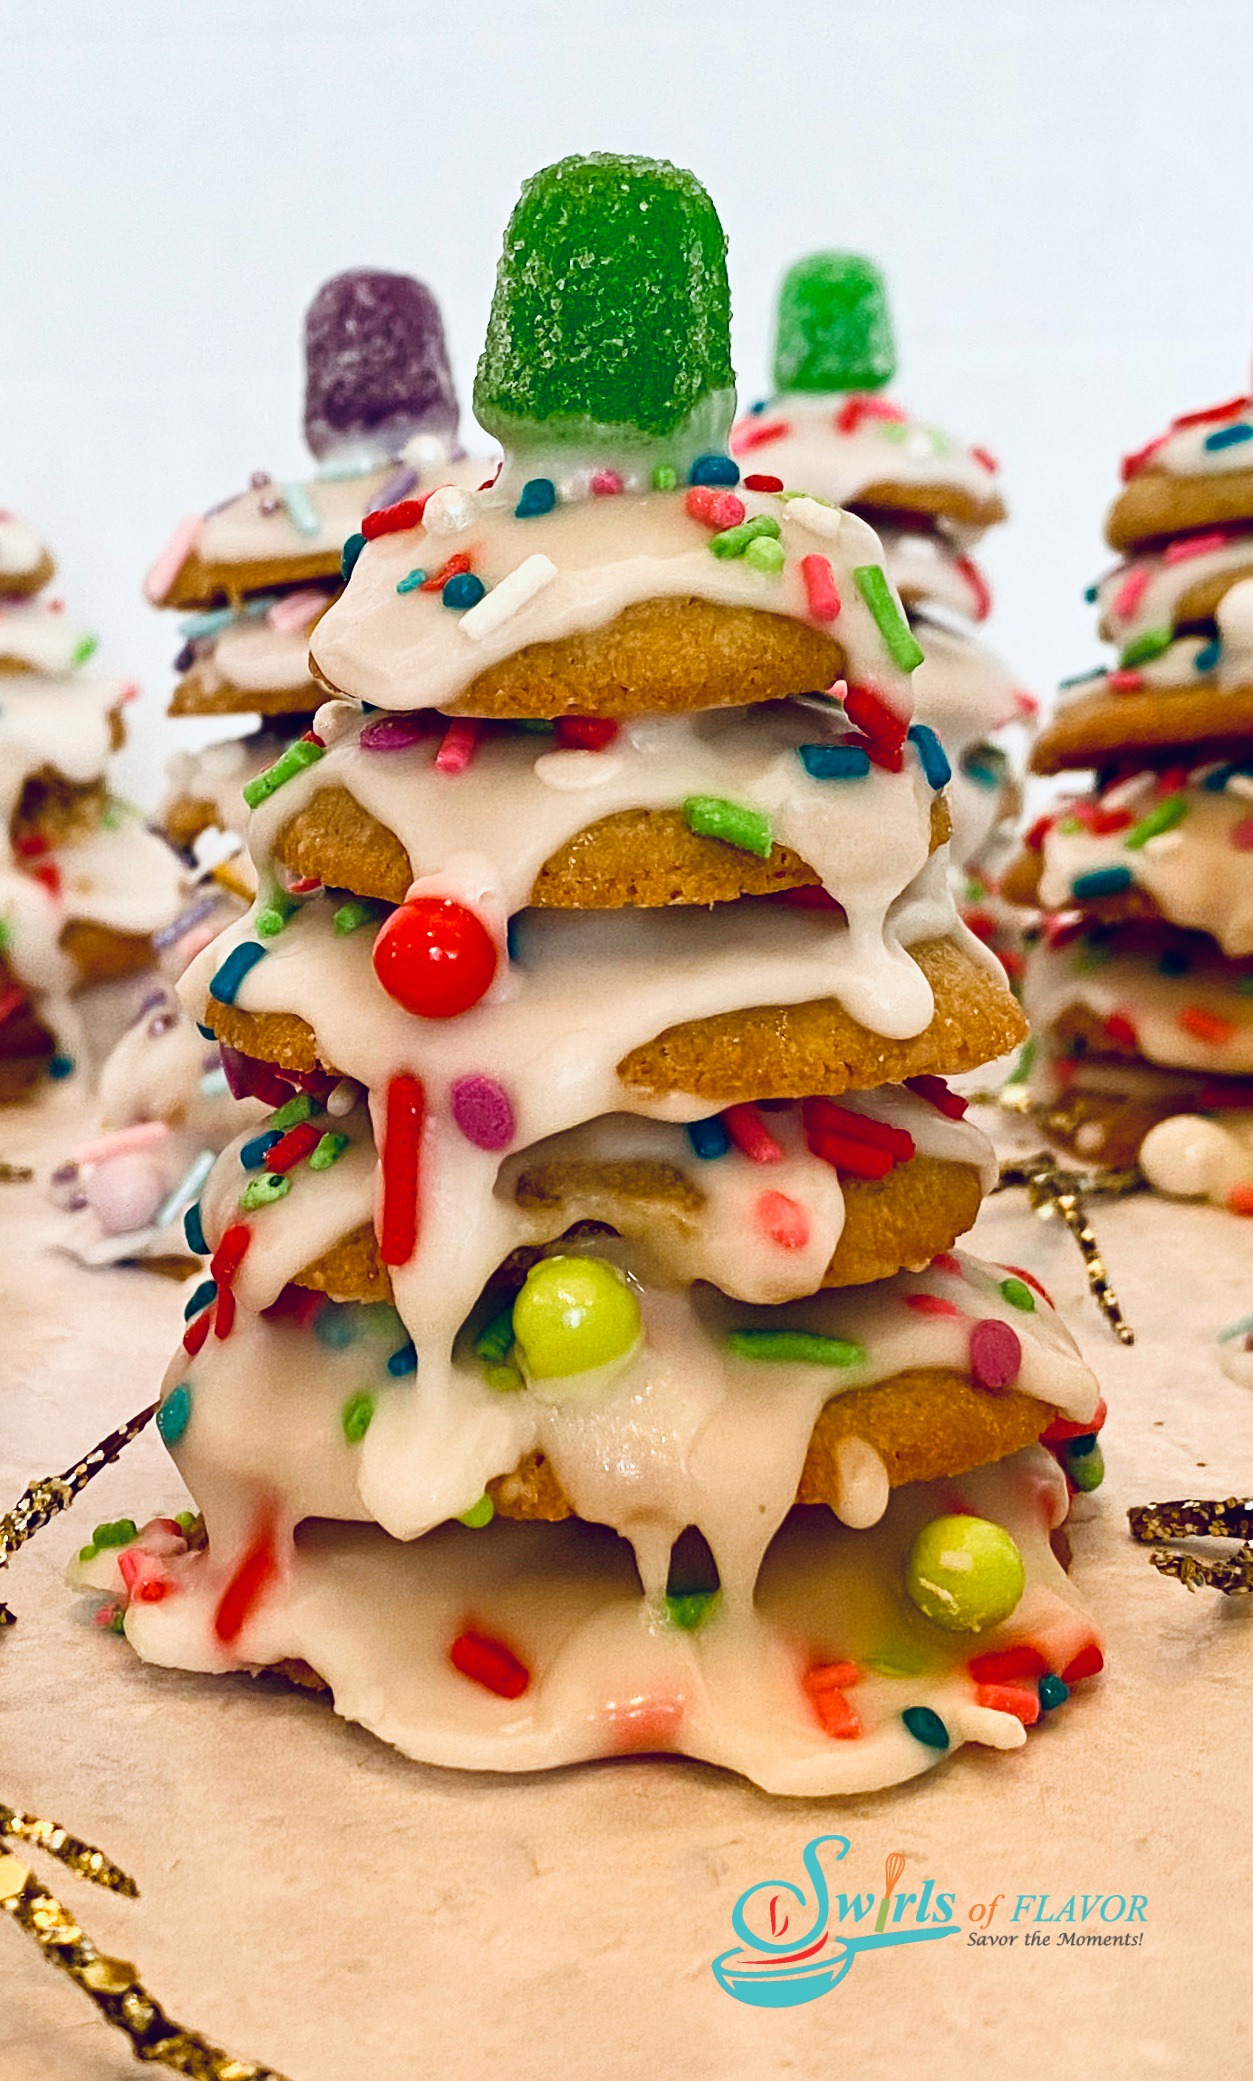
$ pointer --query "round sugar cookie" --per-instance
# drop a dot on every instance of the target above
(103, 954)
(53, 810)
(1100, 728)
(924, 1423)
(639, 857)
(199, 694)
(1161, 502)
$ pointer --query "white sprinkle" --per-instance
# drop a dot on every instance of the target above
(1165, 842)
(1241, 784)
(342, 1097)
(503, 601)
(812, 514)
(574, 770)
(334, 719)
(448, 511)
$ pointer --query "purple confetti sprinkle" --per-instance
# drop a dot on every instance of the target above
(393, 732)
(995, 1355)
(398, 486)
(481, 1109)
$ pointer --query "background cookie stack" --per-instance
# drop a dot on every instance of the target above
(83, 885)
(256, 572)
(1141, 990)
(604, 977)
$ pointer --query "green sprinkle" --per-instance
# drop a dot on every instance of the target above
(117, 1531)
(301, 1107)
(1018, 1294)
(269, 922)
(494, 1341)
(665, 477)
(355, 1417)
(506, 1380)
(794, 1347)
(86, 1553)
(734, 541)
(1146, 647)
(1162, 817)
(263, 1191)
(691, 1609)
(833, 329)
(896, 1661)
(1022, 1068)
(328, 1151)
(85, 648)
(186, 1522)
(285, 768)
(902, 645)
(765, 555)
(479, 1514)
(411, 581)
(709, 816)
(1069, 826)
(350, 917)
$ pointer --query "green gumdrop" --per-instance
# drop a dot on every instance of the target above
(965, 1573)
(834, 329)
(612, 309)
(573, 1315)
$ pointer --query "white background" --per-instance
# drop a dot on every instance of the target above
(1060, 194)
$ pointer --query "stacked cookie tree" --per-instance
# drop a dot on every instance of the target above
(603, 1224)
(256, 572)
(83, 885)
(830, 429)
(1142, 986)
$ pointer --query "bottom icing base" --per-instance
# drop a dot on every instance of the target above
(603, 1673)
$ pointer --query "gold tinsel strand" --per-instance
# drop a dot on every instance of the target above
(1053, 1191)
(1197, 1518)
(111, 1984)
(15, 1173)
(43, 1500)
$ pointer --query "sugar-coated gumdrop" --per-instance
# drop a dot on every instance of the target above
(834, 330)
(965, 1573)
(376, 364)
(611, 316)
(573, 1315)
(435, 957)
(125, 1192)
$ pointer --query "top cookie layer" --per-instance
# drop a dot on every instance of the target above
(1199, 473)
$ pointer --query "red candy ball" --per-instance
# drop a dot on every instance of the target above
(435, 957)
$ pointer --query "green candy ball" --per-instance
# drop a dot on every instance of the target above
(573, 1315)
(965, 1573)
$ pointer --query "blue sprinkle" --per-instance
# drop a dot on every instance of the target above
(834, 761)
(513, 939)
(1207, 656)
(336, 1327)
(411, 581)
(254, 1153)
(1236, 1329)
(403, 1361)
(200, 626)
(301, 511)
(1228, 437)
(206, 1291)
(239, 962)
(931, 755)
(348, 560)
(1102, 881)
(926, 1726)
(60, 1066)
(756, 409)
(709, 1137)
(174, 1415)
(194, 1231)
(1090, 595)
(714, 469)
(1081, 678)
(538, 495)
(465, 590)
(1172, 962)
(1216, 780)
(982, 776)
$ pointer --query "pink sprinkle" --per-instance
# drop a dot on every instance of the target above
(782, 1221)
(995, 1355)
(822, 595)
(144, 1135)
(1242, 835)
(749, 1132)
(713, 508)
(171, 560)
(986, 460)
(396, 732)
(303, 885)
(752, 434)
(945, 1262)
(930, 1304)
(1125, 680)
(106, 1614)
(606, 484)
(458, 748)
(1026, 704)
(860, 407)
(482, 1110)
(292, 615)
(1131, 591)
(978, 585)
(1186, 547)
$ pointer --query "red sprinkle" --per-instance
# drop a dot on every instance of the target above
(1120, 1031)
(862, 406)
(1185, 547)
(299, 1141)
(749, 1132)
(452, 569)
(1131, 591)
(224, 1314)
(1011, 1698)
(1207, 1026)
(230, 1253)
(986, 460)
(870, 713)
(756, 483)
(823, 1116)
(930, 1304)
(831, 1708)
(390, 520)
(822, 596)
(1034, 838)
(714, 508)
(459, 745)
(782, 1221)
(11, 1000)
(1241, 835)
(1240, 1199)
(1088, 1662)
(402, 1148)
(751, 433)
(606, 484)
(858, 1159)
(299, 1305)
(1063, 1427)
(1124, 680)
(805, 898)
(978, 585)
(197, 1331)
(1206, 413)
(995, 1355)
(585, 732)
(832, 1676)
(1002, 1665)
(944, 1261)
(937, 1094)
(490, 1663)
(1140, 458)
(248, 1584)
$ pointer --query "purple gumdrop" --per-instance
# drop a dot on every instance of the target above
(376, 366)
(481, 1109)
(394, 732)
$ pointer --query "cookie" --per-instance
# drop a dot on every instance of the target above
(923, 1423)
(1156, 503)
(640, 857)
(199, 694)
(102, 953)
(1102, 727)
(52, 810)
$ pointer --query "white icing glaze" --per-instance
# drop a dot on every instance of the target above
(253, 657)
(61, 723)
(1129, 609)
(1199, 873)
(217, 773)
(36, 637)
(1181, 450)
(21, 551)
(121, 877)
(407, 650)
(1133, 986)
